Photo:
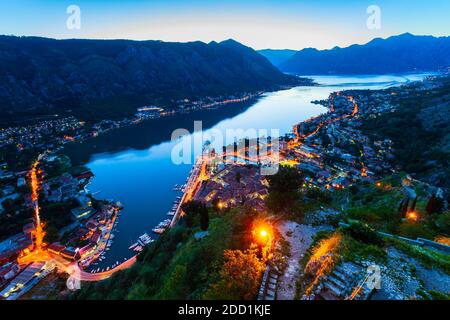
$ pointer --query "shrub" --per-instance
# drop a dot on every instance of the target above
(414, 230)
(443, 223)
(318, 195)
(364, 233)
(239, 277)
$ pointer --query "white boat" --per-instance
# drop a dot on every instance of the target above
(162, 226)
(133, 246)
(145, 239)
(158, 230)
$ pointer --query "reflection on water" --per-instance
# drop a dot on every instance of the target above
(133, 164)
(148, 133)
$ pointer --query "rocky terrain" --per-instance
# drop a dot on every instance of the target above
(111, 78)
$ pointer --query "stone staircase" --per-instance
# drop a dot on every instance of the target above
(341, 282)
(268, 288)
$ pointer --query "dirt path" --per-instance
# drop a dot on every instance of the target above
(300, 239)
(404, 277)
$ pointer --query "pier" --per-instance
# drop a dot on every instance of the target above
(197, 175)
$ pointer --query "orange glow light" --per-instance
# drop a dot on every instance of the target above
(412, 216)
(34, 253)
(364, 172)
(263, 233)
(443, 240)
(323, 259)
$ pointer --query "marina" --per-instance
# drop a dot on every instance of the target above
(143, 241)
(162, 226)
(128, 162)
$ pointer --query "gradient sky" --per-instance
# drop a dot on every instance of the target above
(293, 24)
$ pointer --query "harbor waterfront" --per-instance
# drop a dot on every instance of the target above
(133, 164)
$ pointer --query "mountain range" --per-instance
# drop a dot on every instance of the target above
(397, 54)
(111, 78)
(276, 57)
(104, 79)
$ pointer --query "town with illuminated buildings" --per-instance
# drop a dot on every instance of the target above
(346, 174)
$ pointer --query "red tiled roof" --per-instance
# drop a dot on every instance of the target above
(96, 236)
(56, 247)
(69, 253)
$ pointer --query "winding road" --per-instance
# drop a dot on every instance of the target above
(86, 276)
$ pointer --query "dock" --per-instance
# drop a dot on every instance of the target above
(196, 177)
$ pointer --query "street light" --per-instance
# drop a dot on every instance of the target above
(263, 233)
(412, 216)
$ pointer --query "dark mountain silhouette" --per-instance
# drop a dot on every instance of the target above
(397, 54)
(277, 56)
(111, 78)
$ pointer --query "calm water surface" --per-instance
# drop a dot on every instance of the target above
(133, 164)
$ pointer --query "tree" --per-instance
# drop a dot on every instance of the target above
(318, 195)
(175, 285)
(435, 205)
(400, 207)
(204, 218)
(405, 207)
(326, 141)
(443, 223)
(239, 276)
(139, 291)
(413, 206)
(353, 189)
(190, 209)
(287, 179)
(51, 234)
(414, 230)
(238, 177)
(284, 188)
(193, 208)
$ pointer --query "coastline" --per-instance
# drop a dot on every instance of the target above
(293, 123)
(193, 177)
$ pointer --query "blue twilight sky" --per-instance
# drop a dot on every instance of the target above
(293, 24)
